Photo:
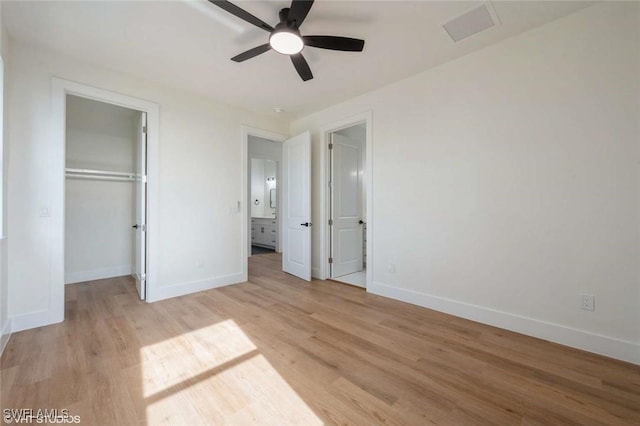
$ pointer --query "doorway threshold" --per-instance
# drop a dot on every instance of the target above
(357, 279)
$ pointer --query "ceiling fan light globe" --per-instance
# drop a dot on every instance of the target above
(286, 42)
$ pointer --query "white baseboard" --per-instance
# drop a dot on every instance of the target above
(97, 274)
(33, 320)
(316, 273)
(166, 292)
(612, 347)
(5, 335)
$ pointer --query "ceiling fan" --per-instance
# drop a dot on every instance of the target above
(285, 37)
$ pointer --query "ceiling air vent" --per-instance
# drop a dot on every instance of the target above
(470, 23)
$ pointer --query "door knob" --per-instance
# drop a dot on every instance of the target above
(307, 224)
(136, 226)
(361, 221)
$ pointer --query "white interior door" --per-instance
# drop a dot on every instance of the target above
(346, 206)
(296, 206)
(140, 226)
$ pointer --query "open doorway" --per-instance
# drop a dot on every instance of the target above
(105, 192)
(348, 205)
(265, 159)
(291, 198)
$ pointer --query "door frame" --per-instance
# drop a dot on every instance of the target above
(325, 210)
(60, 88)
(245, 211)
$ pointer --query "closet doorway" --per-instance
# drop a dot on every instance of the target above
(347, 205)
(105, 192)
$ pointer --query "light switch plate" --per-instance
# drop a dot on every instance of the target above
(45, 211)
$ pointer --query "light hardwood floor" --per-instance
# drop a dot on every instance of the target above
(277, 350)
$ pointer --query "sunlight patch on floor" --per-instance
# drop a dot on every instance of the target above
(180, 358)
(216, 375)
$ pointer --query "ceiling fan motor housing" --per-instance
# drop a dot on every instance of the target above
(284, 16)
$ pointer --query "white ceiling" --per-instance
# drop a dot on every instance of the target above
(187, 44)
(82, 109)
(357, 132)
(99, 117)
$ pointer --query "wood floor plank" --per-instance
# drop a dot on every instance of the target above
(279, 350)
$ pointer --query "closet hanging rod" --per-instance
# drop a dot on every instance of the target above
(90, 172)
(98, 177)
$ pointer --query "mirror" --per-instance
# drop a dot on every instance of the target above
(272, 198)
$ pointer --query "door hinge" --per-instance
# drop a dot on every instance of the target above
(144, 129)
(330, 221)
(331, 260)
(331, 146)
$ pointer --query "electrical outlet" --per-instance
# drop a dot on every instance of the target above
(588, 302)
(391, 268)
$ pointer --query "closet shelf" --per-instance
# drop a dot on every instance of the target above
(99, 175)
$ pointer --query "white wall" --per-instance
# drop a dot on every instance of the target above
(506, 183)
(200, 175)
(256, 170)
(99, 213)
(5, 324)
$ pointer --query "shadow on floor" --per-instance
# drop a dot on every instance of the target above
(260, 250)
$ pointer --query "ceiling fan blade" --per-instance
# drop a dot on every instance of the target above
(301, 66)
(242, 14)
(299, 10)
(251, 53)
(334, 43)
